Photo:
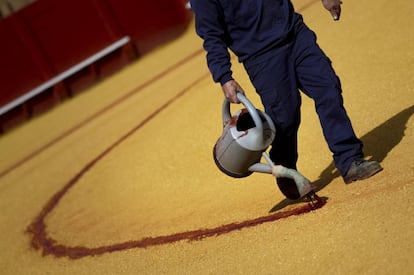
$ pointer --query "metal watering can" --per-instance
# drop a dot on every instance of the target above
(246, 136)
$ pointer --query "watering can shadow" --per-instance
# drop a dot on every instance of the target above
(244, 141)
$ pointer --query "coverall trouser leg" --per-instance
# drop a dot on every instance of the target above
(279, 74)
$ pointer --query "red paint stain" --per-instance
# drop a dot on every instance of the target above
(40, 240)
(49, 246)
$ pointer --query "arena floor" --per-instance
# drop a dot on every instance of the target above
(120, 179)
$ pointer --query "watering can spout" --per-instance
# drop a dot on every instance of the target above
(303, 185)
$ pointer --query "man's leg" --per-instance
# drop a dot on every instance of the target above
(318, 80)
(274, 79)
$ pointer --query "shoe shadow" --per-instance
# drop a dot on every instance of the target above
(377, 144)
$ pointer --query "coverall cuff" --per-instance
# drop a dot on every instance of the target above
(225, 78)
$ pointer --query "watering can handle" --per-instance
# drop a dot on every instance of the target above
(249, 106)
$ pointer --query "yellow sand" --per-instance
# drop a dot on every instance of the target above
(160, 179)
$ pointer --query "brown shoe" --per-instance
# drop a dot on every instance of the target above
(362, 169)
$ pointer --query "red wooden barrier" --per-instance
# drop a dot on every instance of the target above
(21, 67)
(48, 37)
(150, 23)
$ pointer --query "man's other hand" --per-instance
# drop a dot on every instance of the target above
(334, 7)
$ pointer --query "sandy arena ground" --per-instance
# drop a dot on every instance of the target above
(105, 182)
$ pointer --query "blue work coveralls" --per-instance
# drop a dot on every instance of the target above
(281, 57)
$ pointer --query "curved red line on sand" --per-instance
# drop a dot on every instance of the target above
(49, 246)
(41, 240)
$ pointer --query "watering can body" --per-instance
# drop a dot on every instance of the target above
(246, 135)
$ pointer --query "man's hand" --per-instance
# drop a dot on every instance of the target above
(230, 89)
(334, 7)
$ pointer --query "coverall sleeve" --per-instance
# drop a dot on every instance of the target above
(209, 25)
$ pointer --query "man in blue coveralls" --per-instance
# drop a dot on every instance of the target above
(281, 57)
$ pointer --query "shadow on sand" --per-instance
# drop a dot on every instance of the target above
(377, 144)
